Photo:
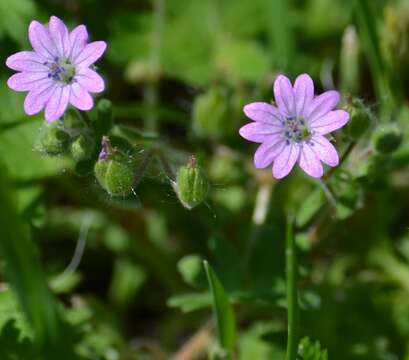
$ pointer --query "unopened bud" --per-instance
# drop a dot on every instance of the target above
(192, 184)
(114, 172)
(82, 148)
(53, 139)
(360, 119)
(387, 139)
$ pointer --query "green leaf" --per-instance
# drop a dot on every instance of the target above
(10, 311)
(367, 17)
(13, 346)
(255, 343)
(127, 279)
(227, 262)
(190, 302)
(190, 267)
(309, 350)
(19, 13)
(16, 152)
(24, 272)
(223, 310)
(65, 283)
(310, 207)
(242, 59)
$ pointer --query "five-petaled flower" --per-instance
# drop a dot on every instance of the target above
(295, 130)
(58, 71)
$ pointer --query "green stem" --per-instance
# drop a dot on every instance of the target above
(292, 293)
(366, 18)
(260, 211)
(152, 88)
(281, 33)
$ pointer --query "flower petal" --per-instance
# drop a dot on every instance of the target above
(80, 98)
(330, 122)
(59, 34)
(263, 112)
(322, 105)
(284, 95)
(57, 103)
(324, 150)
(91, 53)
(309, 162)
(25, 81)
(90, 80)
(37, 98)
(78, 41)
(41, 41)
(285, 160)
(303, 93)
(259, 132)
(267, 152)
(26, 61)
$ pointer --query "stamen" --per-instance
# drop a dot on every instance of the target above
(296, 130)
(61, 71)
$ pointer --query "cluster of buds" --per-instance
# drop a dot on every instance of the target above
(68, 137)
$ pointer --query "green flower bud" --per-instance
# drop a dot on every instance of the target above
(210, 113)
(387, 139)
(360, 119)
(104, 120)
(191, 184)
(53, 139)
(82, 148)
(115, 175)
(114, 171)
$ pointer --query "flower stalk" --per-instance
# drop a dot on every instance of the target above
(292, 292)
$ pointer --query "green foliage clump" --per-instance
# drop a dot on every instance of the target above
(90, 270)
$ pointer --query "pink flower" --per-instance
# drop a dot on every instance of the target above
(58, 71)
(295, 130)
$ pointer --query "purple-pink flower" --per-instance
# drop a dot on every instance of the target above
(59, 70)
(294, 130)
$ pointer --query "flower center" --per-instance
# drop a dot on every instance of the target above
(296, 129)
(61, 70)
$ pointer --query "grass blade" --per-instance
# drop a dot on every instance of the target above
(367, 25)
(223, 312)
(24, 272)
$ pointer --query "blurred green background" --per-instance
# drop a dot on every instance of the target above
(180, 71)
